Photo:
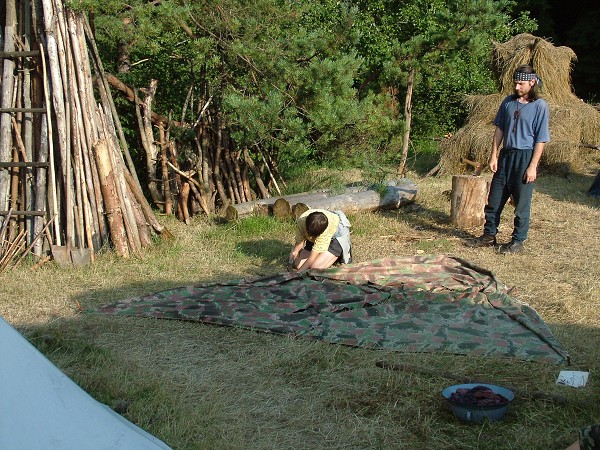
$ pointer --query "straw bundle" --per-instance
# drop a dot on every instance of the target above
(574, 124)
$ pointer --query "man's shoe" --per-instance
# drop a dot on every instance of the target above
(486, 240)
(512, 247)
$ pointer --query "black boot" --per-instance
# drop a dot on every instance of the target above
(485, 240)
(512, 247)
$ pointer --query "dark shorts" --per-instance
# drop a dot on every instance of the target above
(334, 247)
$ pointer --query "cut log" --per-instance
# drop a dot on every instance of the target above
(299, 208)
(353, 200)
(282, 209)
(469, 195)
(250, 208)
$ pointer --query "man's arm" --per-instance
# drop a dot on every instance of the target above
(295, 251)
(496, 141)
(531, 172)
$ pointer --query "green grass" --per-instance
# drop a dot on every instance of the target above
(198, 386)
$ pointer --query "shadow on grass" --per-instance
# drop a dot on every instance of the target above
(140, 363)
(572, 188)
(424, 219)
(267, 250)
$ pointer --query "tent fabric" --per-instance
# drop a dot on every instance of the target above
(42, 408)
(414, 304)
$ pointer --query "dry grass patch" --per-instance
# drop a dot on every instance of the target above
(201, 386)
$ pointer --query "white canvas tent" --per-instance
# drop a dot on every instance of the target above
(42, 408)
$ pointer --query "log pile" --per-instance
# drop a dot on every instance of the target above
(392, 196)
(62, 150)
(202, 170)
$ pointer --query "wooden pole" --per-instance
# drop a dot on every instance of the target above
(27, 120)
(52, 171)
(117, 164)
(407, 120)
(111, 199)
(106, 89)
(58, 98)
(165, 176)
(7, 86)
(140, 220)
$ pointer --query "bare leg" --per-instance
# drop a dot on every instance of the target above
(324, 260)
(321, 260)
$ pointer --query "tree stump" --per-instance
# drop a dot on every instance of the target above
(469, 196)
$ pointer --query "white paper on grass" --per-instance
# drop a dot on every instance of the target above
(572, 378)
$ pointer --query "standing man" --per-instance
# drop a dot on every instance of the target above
(322, 239)
(522, 128)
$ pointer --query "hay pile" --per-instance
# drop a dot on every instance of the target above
(574, 124)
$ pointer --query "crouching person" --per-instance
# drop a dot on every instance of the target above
(322, 239)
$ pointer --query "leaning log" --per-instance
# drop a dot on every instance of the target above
(393, 196)
(111, 198)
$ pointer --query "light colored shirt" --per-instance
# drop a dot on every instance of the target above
(322, 241)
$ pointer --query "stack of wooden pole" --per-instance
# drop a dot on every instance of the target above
(50, 114)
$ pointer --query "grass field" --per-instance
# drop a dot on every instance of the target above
(198, 386)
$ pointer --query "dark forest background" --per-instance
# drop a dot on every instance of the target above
(244, 95)
(573, 24)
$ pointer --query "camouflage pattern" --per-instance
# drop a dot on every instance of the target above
(409, 304)
(589, 438)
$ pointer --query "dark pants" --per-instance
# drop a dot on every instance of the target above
(507, 181)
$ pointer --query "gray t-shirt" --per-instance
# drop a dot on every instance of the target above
(523, 125)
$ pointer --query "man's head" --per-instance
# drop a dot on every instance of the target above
(526, 83)
(316, 223)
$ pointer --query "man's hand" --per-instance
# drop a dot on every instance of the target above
(530, 174)
(295, 252)
(292, 258)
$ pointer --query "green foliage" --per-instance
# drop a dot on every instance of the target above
(449, 44)
(321, 81)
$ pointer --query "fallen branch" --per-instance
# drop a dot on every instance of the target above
(130, 95)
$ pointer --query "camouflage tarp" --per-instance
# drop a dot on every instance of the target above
(412, 304)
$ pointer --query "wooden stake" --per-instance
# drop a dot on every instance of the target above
(52, 170)
(7, 86)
